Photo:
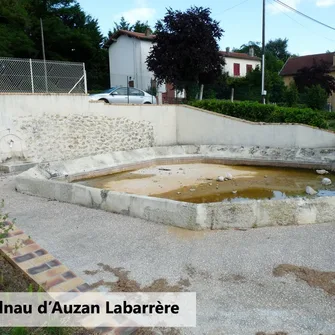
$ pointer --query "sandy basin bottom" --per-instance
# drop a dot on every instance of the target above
(197, 183)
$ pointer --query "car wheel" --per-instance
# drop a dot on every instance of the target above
(104, 100)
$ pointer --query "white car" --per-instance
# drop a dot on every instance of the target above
(124, 95)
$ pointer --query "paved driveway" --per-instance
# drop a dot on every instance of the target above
(231, 271)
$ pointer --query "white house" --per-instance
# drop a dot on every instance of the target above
(128, 52)
(239, 64)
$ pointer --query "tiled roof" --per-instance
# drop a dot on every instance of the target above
(294, 64)
(238, 55)
(141, 36)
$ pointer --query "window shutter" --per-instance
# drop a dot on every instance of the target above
(236, 69)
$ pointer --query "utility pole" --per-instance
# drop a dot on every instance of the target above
(263, 55)
(45, 64)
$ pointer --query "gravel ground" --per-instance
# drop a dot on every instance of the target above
(235, 273)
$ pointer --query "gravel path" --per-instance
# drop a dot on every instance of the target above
(231, 271)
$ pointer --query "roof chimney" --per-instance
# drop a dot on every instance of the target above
(251, 52)
(148, 32)
(227, 49)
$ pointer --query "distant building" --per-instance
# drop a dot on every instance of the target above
(293, 64)
(127, 55)
(128, 52)
(239, 64)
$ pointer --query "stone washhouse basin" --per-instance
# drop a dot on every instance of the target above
(58, 181)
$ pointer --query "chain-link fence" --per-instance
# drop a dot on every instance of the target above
(38, 76)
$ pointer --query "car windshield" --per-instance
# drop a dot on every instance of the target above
(110, 90)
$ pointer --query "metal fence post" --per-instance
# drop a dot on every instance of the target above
(31, 76)
(85, 79)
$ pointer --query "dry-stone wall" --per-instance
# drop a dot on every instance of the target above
(56, 137)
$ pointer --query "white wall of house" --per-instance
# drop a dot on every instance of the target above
(230, 61)
(121, 61)
(127, 57)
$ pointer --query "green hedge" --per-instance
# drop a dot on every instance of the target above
(254, 111)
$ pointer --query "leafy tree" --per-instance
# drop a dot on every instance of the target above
(186, 52)
(275, 55)
(219, 89)
(70, 35)
(272, 63)
(316, 97)
(15, 24)
(317, 74)
(292, 95)
(244, 48)
(278, 48)
(275, 87)
(140, 27)
(122, 25)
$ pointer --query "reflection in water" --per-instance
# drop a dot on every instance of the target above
(196, 183)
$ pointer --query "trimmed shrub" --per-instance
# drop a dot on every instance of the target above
(256, 112)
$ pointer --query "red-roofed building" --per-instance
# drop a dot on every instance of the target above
(239, 64)
(129, 50)
(294, 64)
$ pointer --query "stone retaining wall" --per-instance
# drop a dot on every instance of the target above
(37, 128)
(57, 137)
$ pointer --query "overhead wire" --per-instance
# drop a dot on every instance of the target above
(302, 14)
(241, 3)
(230, 8)
(329, 39)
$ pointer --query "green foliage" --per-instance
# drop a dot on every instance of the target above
(291, 95)
(42, 331)
(219, 89)
(276, 87)
(249, 88)
(244, 48)
(69, 33)
(123, 25)
(257, 112)
(4, 228)
(186, 52)
(278, 48)
(19, 331)
(316, 97)
(140, 27)
(317, 74)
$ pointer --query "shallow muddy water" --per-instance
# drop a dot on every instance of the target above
(196, 182)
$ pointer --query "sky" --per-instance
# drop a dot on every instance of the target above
(240, 19)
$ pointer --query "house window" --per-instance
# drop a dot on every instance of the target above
(236, 69)
(249, 68)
